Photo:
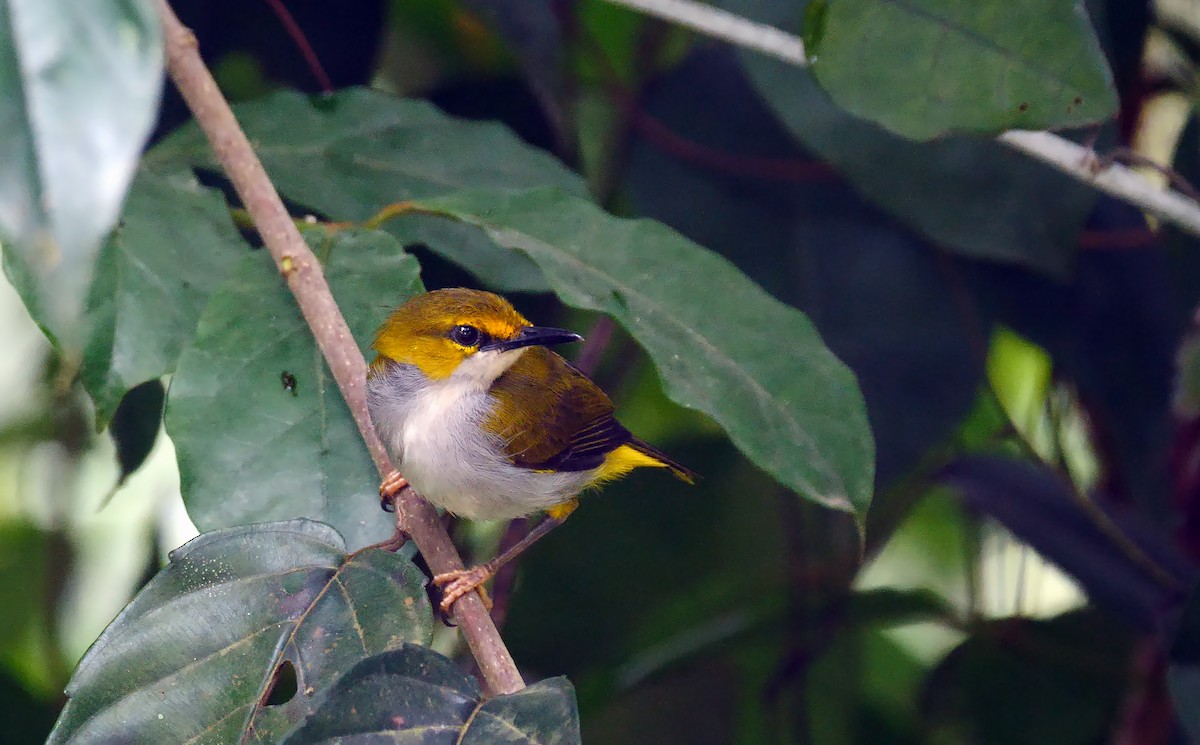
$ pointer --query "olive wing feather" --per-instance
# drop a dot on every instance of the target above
(554, 418)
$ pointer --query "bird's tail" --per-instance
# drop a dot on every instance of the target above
(662, 460)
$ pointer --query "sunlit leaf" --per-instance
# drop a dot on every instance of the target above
(79, 89)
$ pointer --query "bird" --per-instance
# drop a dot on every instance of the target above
(487, 423)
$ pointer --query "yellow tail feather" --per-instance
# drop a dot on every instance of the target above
(638, 454)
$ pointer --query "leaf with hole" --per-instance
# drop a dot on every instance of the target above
(721, 344)
(242, 634)
(416, 695)
(258, 422)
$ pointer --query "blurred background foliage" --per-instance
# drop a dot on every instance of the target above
(1037, 509)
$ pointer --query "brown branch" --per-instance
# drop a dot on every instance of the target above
(304, 278)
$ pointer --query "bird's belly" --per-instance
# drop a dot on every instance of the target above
(455, 464)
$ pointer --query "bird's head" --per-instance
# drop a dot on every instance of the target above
(468, 333)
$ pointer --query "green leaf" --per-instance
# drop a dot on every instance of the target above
(351, 154)
(416, 695)
(970, 195)
(721, 344)
(259, 425)
(176, 244)
(79, 89)
(926, 68)
(199, 652)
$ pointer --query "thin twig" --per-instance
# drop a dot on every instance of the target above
(304, 278)
(298, 38)
(1074, 160)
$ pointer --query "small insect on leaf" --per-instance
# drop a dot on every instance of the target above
(289, 382)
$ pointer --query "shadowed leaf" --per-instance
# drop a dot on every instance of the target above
(416, 695)
(1038, 507)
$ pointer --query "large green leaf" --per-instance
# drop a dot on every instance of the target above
(721, 344)
(352, 153)
(969, 195)
(79, 88)
(176, 244)
(208, 649)
(258, 422)
(926, 68)
(415, 695)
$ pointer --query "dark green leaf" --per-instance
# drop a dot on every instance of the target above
(258, 422)
(1021, 680)
(195, 653)
(27, 719)
(721, 344)
(359, 151)
(416, 695)
(925, 69)
(970, 195)
(544, 713)
(79, 88)
(175, 245)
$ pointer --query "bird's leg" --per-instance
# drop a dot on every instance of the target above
(391, 485)
(462, 581)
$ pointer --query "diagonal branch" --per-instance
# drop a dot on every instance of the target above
(304, 278)
(1074, 160)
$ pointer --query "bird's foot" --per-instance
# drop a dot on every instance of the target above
(392, 485)
(461, 582)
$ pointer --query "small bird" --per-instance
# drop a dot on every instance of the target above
(486, 422)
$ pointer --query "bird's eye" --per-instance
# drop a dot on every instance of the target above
(468, 336)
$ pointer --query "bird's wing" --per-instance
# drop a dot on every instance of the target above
(555, 417)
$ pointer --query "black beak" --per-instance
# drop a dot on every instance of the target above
(533, 336)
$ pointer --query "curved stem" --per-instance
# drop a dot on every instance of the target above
(302, 272)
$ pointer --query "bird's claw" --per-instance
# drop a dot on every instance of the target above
(460, 582)
(391, 485)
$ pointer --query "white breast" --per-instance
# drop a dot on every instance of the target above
(433, 431)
